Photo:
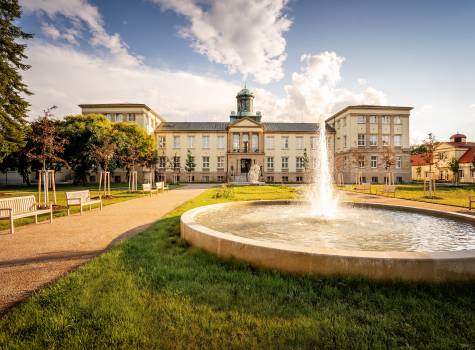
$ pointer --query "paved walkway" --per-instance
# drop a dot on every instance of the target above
(38, 254)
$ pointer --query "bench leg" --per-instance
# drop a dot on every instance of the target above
(51, 217)
(80, 210)
(36, 219)
(101, 205)
(69, 212)
(12, 226)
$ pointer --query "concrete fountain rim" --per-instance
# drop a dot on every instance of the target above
(188, 224)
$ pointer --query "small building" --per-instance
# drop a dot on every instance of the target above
(459, 148)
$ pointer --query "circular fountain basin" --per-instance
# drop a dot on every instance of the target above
(372, 240)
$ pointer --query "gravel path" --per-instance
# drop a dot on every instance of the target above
(39, 254)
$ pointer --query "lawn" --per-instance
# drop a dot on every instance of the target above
(445, 194)
(119, 193)
(155, 291)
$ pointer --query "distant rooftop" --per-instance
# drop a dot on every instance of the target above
(374, 107)
(120, 105)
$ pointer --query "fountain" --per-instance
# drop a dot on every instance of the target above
(321, 236)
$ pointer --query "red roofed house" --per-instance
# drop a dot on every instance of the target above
(458, 147)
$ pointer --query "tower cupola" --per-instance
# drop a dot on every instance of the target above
(245, 106)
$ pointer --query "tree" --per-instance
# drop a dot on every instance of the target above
(388, 158)
(189, 164)
(85, 134)
(418, 149)
(430, 145)
(419, 171)
(306, 160)
(13, 106)
(454, 167)
(47, 145)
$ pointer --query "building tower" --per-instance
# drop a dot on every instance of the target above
(245, 108)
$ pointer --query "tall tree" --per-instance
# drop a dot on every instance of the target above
(189, 164)
(13, 106)
(454, 167)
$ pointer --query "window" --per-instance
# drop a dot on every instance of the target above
(361, 139)
(236, 142)
(285, 179)
(205, 162)
(397, 120)
(299, 140)
(373, 140)
(162, 162)
(191, 142)
(338, 124)
(285, 142)
(299, 178)
(270, 142)
(109, 116)
(374, 162)
(221, 142)
(255, 142)
(345, 141)
(176, 162)
(176, 141)
(361, 162)
(399, 179)
(119, 118)
(131, 117)
(117, 179)
(285, 162)
(373, 119)
(300, 163)
(385, 140)
(473, 172)
(162, 141)
(205, 178)
(385, 119)
(313, 142)
(270, 179)
(220, 178)
(270, 162)
(398, 162)
(461, 174)
(397, 140)
(205, 142)
(374, 179)
(344, 121)
(220, 162)
(360, 119)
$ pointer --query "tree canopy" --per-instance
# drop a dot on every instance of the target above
(13, 106)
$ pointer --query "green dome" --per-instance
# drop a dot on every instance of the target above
(245, 92)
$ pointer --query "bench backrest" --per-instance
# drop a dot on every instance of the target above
(17, 204)
(160, 184)
(147, 187)
(74, 197)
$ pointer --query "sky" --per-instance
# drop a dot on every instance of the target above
(187, 59)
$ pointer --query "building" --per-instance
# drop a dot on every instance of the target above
(137, 113)
(367, 136)
(225, 151)
(459, 148)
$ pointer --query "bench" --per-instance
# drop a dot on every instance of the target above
(391, 189)
(21, 207)
(161, 186)
(471, 199)
(81, 198)
(362, 187)
(148, 188)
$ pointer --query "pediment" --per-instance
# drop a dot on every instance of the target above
(245, 123)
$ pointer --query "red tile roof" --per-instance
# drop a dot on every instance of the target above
(469, 156)
(418, 159)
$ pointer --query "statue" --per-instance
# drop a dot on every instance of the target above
(253, 174)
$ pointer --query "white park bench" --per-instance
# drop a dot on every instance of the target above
(161, 186)
(388, 189)
(21, 207)
(81, 198)
(365, 187)
(147, 188)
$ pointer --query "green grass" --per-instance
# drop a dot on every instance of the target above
(119, 194)
(450, 195)
(154, 291)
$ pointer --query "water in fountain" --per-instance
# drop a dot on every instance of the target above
(321, 194)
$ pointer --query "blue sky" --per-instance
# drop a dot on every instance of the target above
(186, 59)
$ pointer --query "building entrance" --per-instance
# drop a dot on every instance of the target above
(245, 165)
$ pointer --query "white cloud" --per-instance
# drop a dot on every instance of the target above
(244, 35)
(472, 106)
(362, 82)
(80, 13)
(315, 91)
(64, 76)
